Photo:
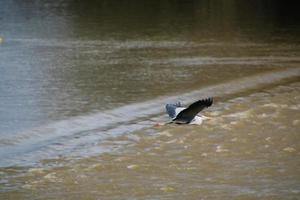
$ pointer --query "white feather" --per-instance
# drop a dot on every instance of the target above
(178, 110)
(197, 120)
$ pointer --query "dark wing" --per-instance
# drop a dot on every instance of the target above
(188, 114)
(171, 109)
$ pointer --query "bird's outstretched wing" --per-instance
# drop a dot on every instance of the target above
(188, 114)
(171, 109)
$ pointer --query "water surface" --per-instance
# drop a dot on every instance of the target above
(82, 85)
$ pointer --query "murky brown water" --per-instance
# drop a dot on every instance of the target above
(248, 150)
(83, 85)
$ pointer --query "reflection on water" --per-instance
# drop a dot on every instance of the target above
(249, 149)
(65, 58)
(83, 136)
(68, 69)
(196, 20)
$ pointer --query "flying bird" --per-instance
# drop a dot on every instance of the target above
(189, 115)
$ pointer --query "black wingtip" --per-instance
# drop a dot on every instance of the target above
(210, 101)
(207, 102)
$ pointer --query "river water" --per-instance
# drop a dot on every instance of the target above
(83, 87)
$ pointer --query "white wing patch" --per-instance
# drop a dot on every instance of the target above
(178, 110)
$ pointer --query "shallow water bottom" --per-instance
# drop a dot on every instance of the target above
(248, 150)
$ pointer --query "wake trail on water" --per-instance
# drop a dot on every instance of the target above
(80, 136)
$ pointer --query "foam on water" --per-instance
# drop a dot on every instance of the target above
(82, 135)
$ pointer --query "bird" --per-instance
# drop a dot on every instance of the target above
(189, 115)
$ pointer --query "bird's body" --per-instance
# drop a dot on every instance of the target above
(189, 115)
